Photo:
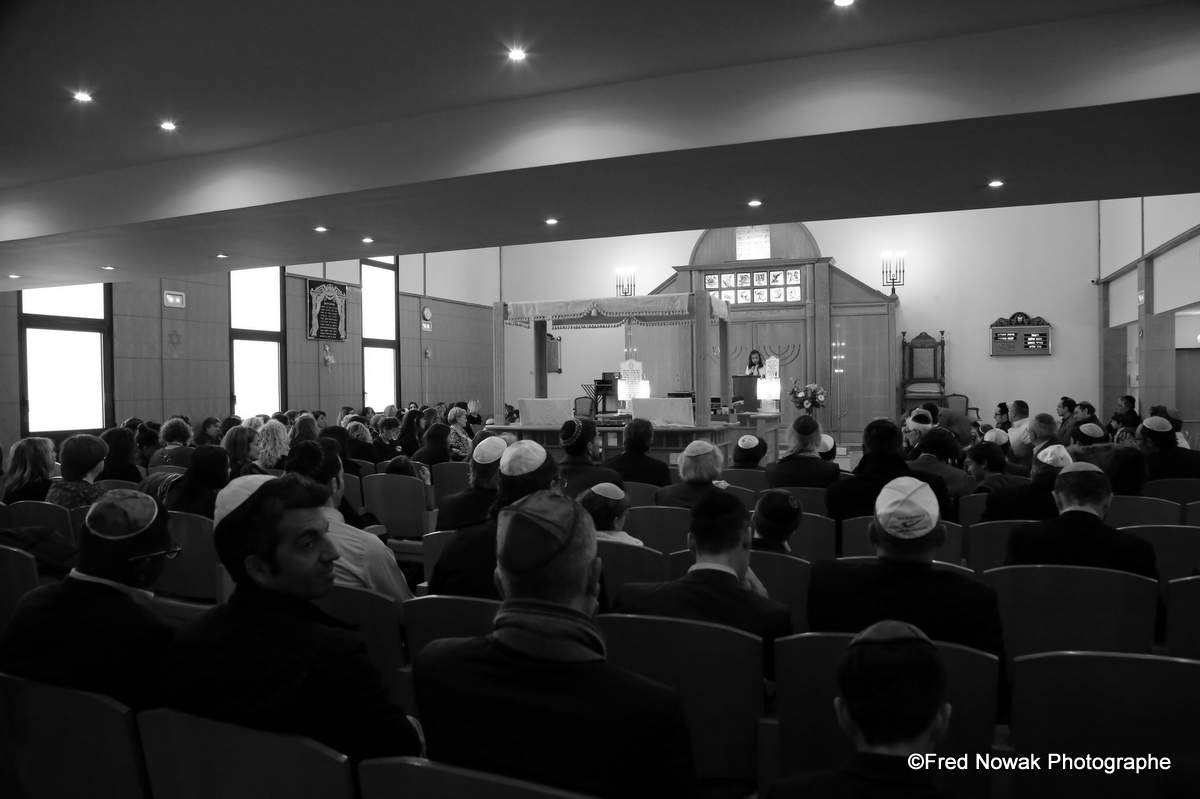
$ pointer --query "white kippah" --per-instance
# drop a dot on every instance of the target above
(1158, 424)
(906, 508)
(826, 444)
(698, 448)
(608, 491)
(1092, 430)
(996, 436)
(747, 442)
(489, 450)
(521, 458)
(237, 491)
(1055, 455)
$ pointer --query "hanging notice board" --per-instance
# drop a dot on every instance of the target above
(1020, 334)
(326, 310)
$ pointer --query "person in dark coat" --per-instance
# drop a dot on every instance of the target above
(716, 588)
(749, 452)
(892, 703)
(470, 506)
(881, 463)
(578, 468)
(1164, 457)
(1079, 536)
(699, 468)
(634, 464)
(902, 583)
(121, 461)
(1032, 500)
(536, 699)
(436, 445)
(803, 465)
(97, 630)
(269, 658)
(1125, 416)
(776, 516)
(985, 465)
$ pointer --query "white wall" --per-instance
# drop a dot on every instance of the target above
(1167, 217)
(1122, 300)
(1177, 277)
(464, 275)
(1120, 233)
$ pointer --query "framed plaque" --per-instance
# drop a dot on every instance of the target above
(1020, 334)
(326, 310)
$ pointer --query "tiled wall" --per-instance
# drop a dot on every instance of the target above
(312, 383)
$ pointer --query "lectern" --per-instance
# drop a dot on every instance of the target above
(746, 387)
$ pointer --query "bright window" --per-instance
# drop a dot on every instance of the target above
(84, 302)
(64, 379)
(378, 303)
(379, 377)
(255, 377)
(254, 299)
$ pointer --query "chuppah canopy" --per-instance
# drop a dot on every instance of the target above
(652, 309)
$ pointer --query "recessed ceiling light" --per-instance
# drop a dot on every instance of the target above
(551, 220)
(754, 203)
(222, 255)
(14, 277)
(368, 240)
(843, 3)
(320, 228)
(167, 125)
(82, 96)
(108, 268)
(995, 183)
(516, 54)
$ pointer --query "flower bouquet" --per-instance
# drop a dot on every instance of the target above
(807, 397)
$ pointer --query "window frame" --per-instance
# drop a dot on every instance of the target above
(380, 343)
(279, 337)
(74, 324)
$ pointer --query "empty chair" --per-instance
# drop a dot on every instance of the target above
(449, 478)
(816, 538)
(109, 485)
(43, 514)
(188, 757)
(987, 543)
(364, 467)
(718, 673)
(192, 573)
(353, 492)
(812, 500)
(428, 618)
(433, 544)
(753, 479)
(640, 495)
(179, 612)
(749, 498)
(398, 501)
(856, 540)
(1176, 547)
(18, 576)
(806, 684)
(628, 563)
(970, 508)
(1050, 608)
(1183, 618)
(1126, 511)
(67, 744)
(394, 777)
(664, 529)
(1176, 489)
(377, 617)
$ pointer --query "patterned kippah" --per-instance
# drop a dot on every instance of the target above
(747, 442)
(121, 513)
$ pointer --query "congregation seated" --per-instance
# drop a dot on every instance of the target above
(719, 587)
(82, 460)
(387, 443)
(459, 438)
(1032, 500)
(891, 703)
(748, 452)
(608, 506)
(206, 431)
(1125, 417)
(364, 561)
(268, 658)
(173, 438)
(1164, 457)
(803, 465)
(195, 491)
(578, 468)
(776, 516)
(435, 446)
(938, 451)
(699, 469)
(147, 442)
(121, 461)
(1079, 536)
(470, 506)
(241, 442)
(304, 428)
(96, 630)
(536, 699)
(1126, 470)
(634, 464)
(902, 583)
(985, 466)
(1066, 420)
(468, 562)
(360, 445)
(881, 463)
(30, 463)
(409, 439)
(272, 446)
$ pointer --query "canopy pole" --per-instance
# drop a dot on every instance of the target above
(539, 358)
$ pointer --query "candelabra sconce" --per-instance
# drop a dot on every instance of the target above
(626, 283)
(893, 268)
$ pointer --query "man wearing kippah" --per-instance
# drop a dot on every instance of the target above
(803, 464)
(97, 629)
(1164, 457)
(882, 461)
(470, 506)
(1032, 500)
(536, 699)
(1079, 536)
(635, 463)
(578, 468)
(902, 582)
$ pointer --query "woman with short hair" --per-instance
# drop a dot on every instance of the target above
(459, 439)
(30, 462)
(173, 436)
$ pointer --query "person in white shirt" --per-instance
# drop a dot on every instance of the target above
(1019, 438)
(364, 561)
(607, 505)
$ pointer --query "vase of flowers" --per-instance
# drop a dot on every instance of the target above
(807, 397)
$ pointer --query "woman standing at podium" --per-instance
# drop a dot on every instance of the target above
(755, 365)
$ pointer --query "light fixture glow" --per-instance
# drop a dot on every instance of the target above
(108, 268)
(222, 255)
(754, 203)
(843, 3)
(167, 125)
(516, 54)
(995, 183)
(14, 277)
(551, 220)
(82, 96)
(368, 240)
(320, 228)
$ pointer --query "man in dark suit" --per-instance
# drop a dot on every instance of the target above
(1164, 457)
(1079, 536)
(536, 698)
(634, 464)
(269, 658)
(1032, 500)
(578, 468)
(803, 465)
(776, 516)
(470, 506)
(903, 584)
(716, 588)
(97, 630)
(892, 703)
(882, 462)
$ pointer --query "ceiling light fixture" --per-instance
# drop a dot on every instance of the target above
(843, 3)
(222, 255)
(167, 125)
(368, 240)
(320, 228)
(82, 96)
(995, 183)
(754, 203)
(551, 220)
(108, 268)
(516, 54)
(14, 277)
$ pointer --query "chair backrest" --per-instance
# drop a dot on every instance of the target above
(816, 539)
(717, 671)
(1183, 618)
(18, 576)
(1177, 489)
(192, 574)
(66, 744)
(365, 467)
(178, 612)
(43, 514)
(398, 501)
(189, 757)
(970, 508)
(428, 618)
(167, 469)
(1176, 547)
(1103, 704)
(109, 485)
(628, 563)
(354, 492)
(806, 684)
(1191, 514)
(786, 579)
(377, 617)
(938, 565)
(585, 407)
(748, 497)
(432, 546)
(396, 777)
(449, 478)
(753, 479)
(640, 495)
(812, 500)
(856, 540)
(664, 529)
(987, 543)
(1052, 608)
(1126, 511)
